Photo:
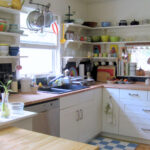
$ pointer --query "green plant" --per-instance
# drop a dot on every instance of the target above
(6, 86)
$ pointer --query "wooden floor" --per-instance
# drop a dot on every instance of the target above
(143, 147)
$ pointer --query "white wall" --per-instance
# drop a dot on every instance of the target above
(115, 10)
(60, 7)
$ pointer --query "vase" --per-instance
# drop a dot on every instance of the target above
(5, 110)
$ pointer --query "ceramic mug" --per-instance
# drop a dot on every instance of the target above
(147, 82)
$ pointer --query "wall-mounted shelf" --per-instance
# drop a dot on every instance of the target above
(11, 34)
(9, 10)
(76, 42)
(104, 28)
(103, 43)
(114, 59)
(12, 57)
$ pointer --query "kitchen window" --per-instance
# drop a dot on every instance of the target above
(41, 49)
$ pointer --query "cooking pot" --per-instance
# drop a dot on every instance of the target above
(123, 23)
(35, 20)
(134, 22)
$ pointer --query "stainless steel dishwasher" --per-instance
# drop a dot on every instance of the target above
(47, 120)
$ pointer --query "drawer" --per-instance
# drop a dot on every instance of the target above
(137, 110)
(69, 101)
(127, 127)
(134, 95)
(111, 92)
(76, 99)
(133, 128)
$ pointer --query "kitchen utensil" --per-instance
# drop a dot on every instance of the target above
(4, 49)
(79, 21)
(147, 82)
(95, 38)
(134, 22)
(105, 38)
(13, 50)
(73, 71)
(40, 20)
(48, 19)
(5, 3)
(90, 24)
(32, 20)
(25, 85)
(17, 107)
(69, 15)
(105, 72)
(82, 70)
(105, 24)
(114, 38)
(17, 4)
(123, 23)
(63, 40)
(14, 86)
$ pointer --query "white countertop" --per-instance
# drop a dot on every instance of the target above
(16, 117)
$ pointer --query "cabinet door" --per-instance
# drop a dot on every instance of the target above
(24, 124)
(69, 123)
(111, 117)
(90, 112)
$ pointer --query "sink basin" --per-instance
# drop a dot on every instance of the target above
(72, 87)
(62, 89)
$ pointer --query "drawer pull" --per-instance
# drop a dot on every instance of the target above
(133, 94)
(147, 110)
(77, 115)
(145, 130)
(81, 116)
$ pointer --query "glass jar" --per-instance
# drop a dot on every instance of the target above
(5, 110)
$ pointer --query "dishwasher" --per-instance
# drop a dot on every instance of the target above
(47, 120)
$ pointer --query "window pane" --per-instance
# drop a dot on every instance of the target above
(38, 62)
(140, 55)
(47, 37)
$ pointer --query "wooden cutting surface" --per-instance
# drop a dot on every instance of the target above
(30, 99)
(20, 139)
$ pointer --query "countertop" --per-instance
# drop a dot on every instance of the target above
(19, 139)
(30, 99)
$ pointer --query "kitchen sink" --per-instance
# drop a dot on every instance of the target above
(62, 89)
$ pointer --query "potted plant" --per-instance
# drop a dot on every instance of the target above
(5, 111)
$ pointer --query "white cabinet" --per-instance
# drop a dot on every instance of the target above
(24, 124)
(134, 119)
(69, 123)
(110, 110)
(81, 121)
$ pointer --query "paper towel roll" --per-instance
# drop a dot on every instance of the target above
(81, 70)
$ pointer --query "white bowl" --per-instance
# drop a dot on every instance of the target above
(4, 50)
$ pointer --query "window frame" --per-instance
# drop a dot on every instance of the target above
(55, 51)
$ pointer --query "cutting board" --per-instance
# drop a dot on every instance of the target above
(105, 72)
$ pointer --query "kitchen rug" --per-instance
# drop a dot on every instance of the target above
(111, 144)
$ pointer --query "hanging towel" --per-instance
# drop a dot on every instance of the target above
(109, 114)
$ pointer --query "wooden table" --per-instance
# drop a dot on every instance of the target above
(19, 139)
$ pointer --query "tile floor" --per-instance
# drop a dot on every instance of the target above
(111, 144)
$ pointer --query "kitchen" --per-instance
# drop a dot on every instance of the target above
(118, 112)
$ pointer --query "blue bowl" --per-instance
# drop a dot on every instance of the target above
(105, 24)
(13, 51)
